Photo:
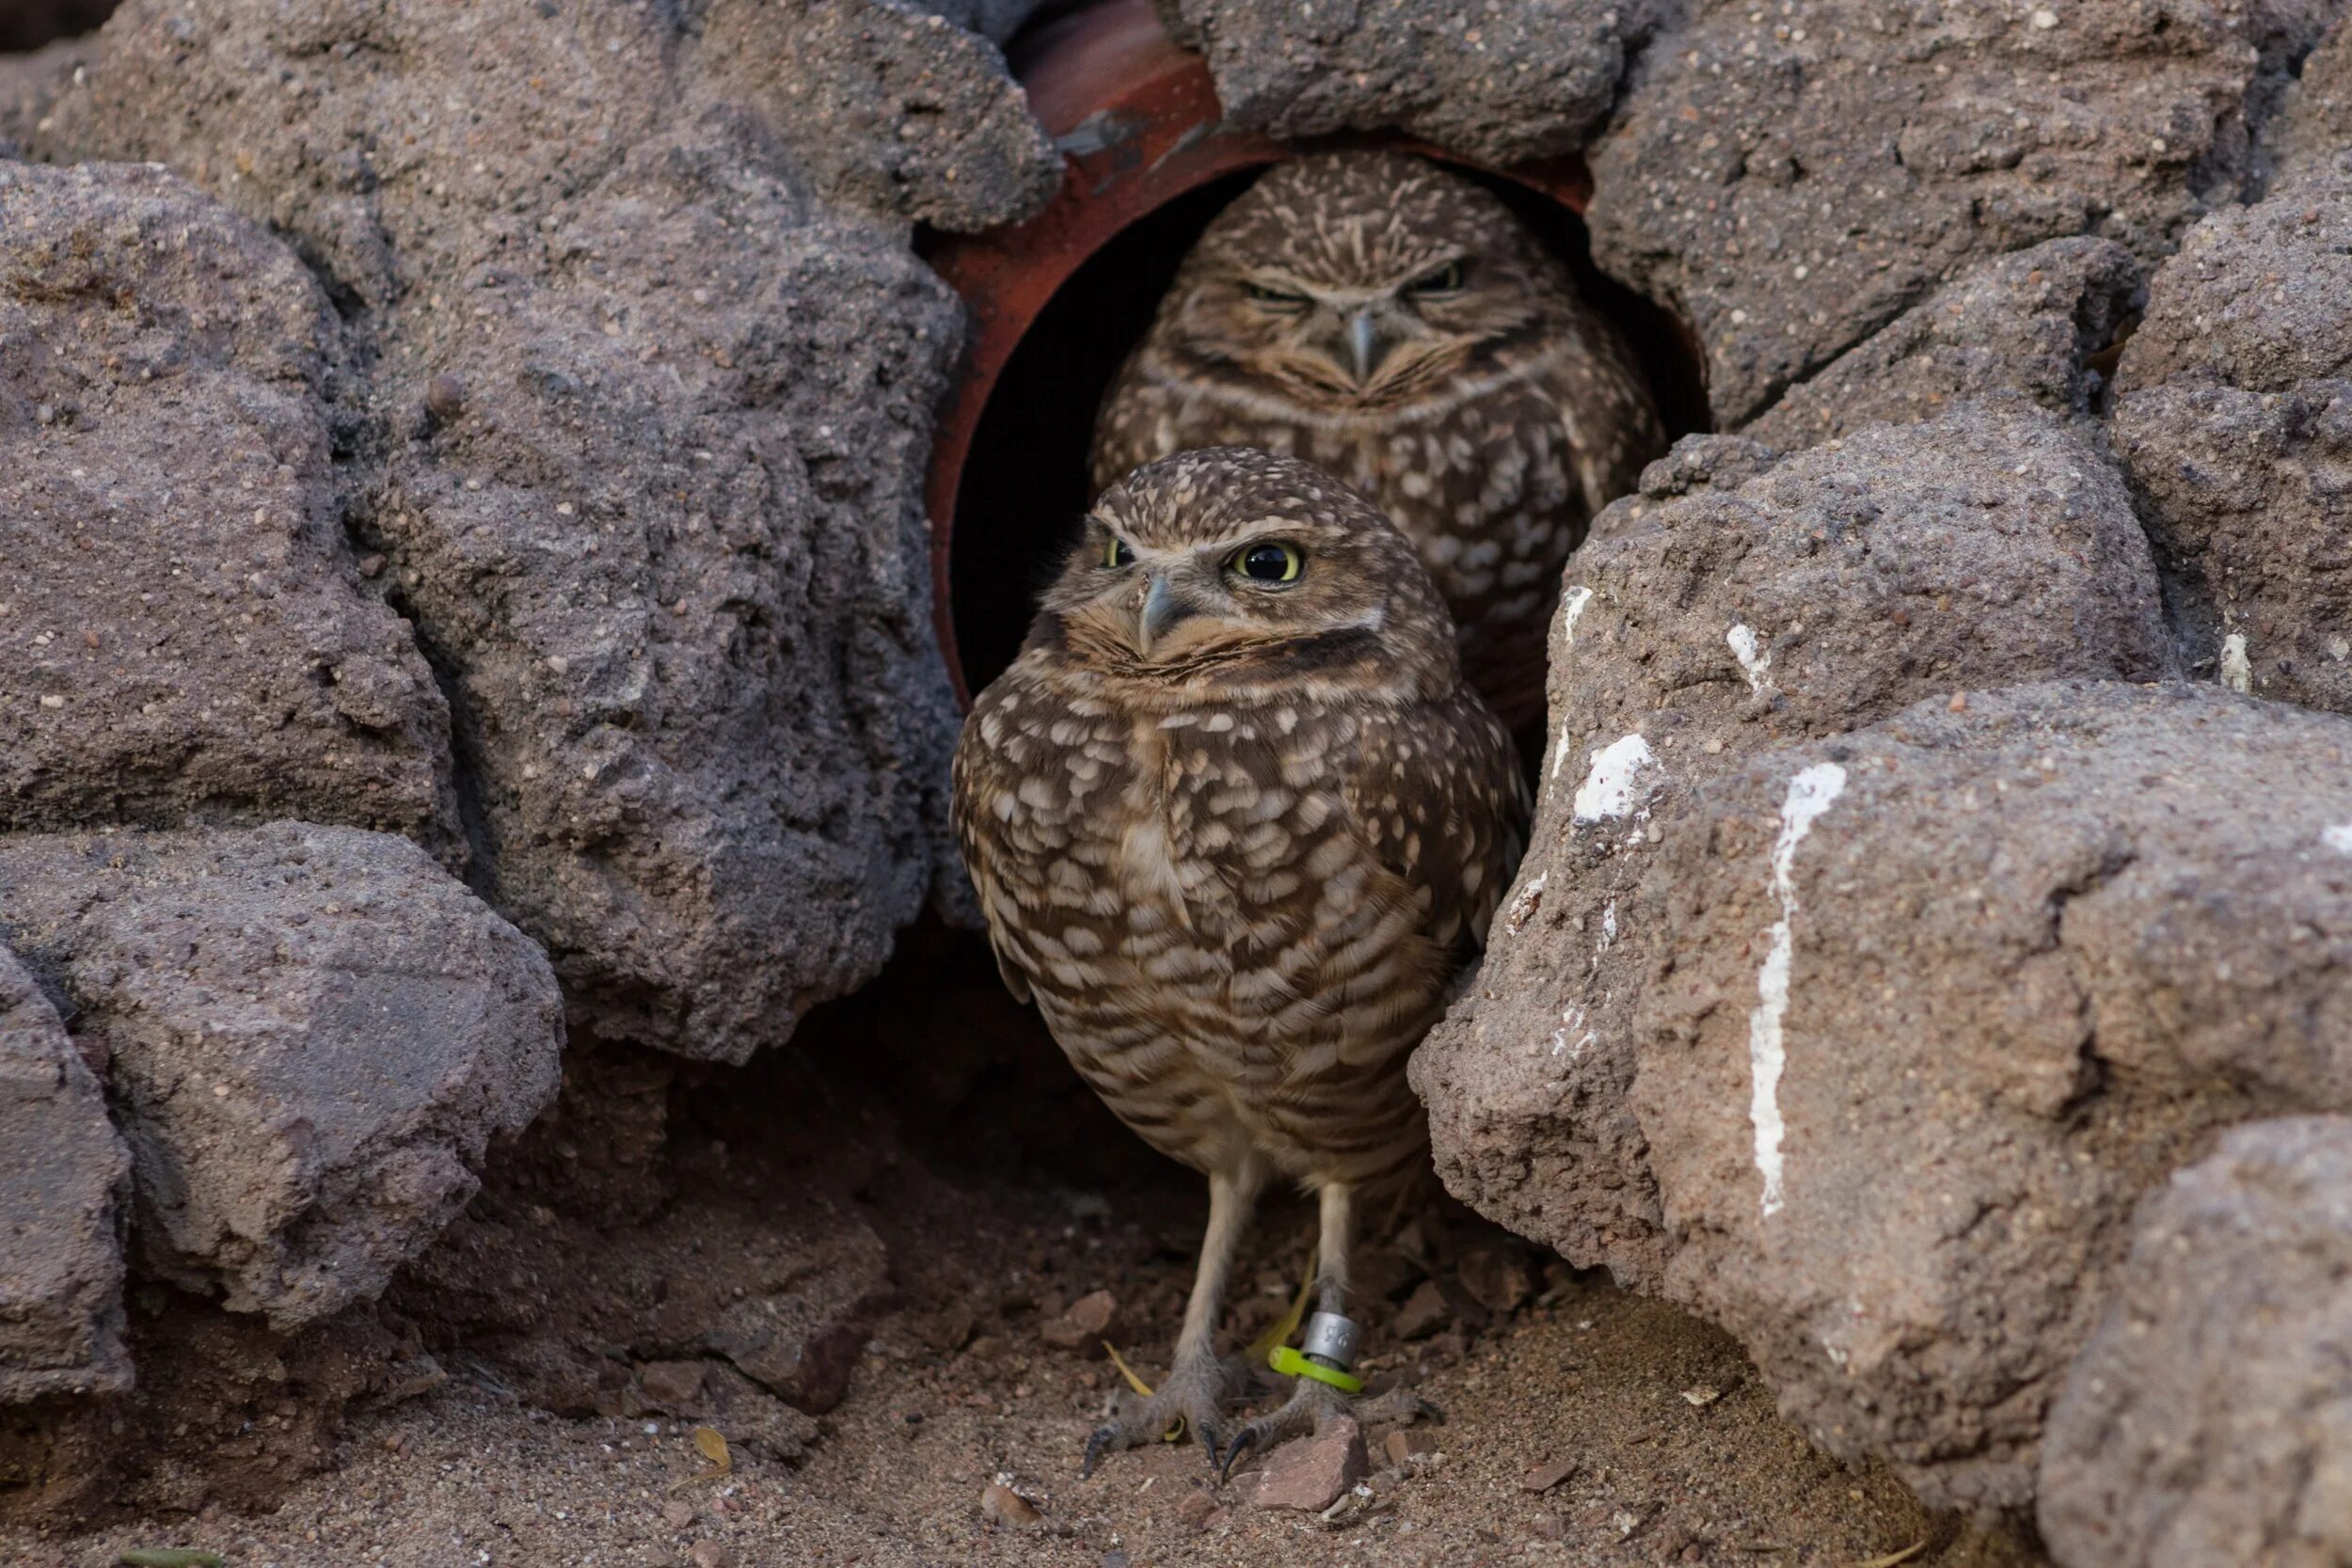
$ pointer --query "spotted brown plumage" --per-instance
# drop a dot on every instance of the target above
(1236, 833)
(1400, 326)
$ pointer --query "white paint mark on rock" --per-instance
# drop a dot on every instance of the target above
(2236, 672)
(1608, 927)
(1559, 752)
(1614, 786)
(1531, 899)
(1810, 793)
(2339, 838)
(1753, 659)
(1572, 605)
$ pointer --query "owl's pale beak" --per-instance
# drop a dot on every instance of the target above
(1163, 608)
(1366, 347)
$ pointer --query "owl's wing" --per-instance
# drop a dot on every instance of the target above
(1436, 795)
(982, 774)
(1606, 409)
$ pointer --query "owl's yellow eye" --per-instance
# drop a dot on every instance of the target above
(1267, 562)
(1286, 300)
(1116, 553)
(1446, 279)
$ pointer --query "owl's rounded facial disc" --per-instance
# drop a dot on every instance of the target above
(1361, 278)
(1217, 555)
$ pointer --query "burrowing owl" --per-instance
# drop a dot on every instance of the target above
(1400, 326)
(1236, 822)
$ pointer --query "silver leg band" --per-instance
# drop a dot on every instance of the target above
(1331, 1339)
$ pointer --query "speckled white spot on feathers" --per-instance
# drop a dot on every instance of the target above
(1614, 785)
(1810, 793)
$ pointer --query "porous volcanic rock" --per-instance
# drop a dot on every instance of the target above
(2018, 326)
(62, 1188)
(2233, 412)
(1792, 183)
(645, 424)
(2313, 133)
(313, 1033)
(1946, 996)
(30, 82)
(1498, 82)
(888, 104)
(182, 636)
(1740, 601)
(2210, 1417)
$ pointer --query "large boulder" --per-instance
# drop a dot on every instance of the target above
(2233, 412)
(182, 633)
(1743, 600)
(62, 1188)
(1792, 183)
(2210, 1417)
(312, 1034)
(1943, 998)
(646, 417)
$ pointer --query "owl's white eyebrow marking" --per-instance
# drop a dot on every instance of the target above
(1810, 793)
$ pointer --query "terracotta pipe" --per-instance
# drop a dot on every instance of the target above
(1138, 124)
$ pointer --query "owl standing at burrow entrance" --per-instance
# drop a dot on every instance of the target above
(1237, 825)
(1400, 326)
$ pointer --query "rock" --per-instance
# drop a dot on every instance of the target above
(2028, 958)
(63, 1194)
(1198, 1509)
(198, 647)
(2313, 132)
(1424, 1312)
(678, 1514)
(2209, 1419)
(671, 560)
(1544, 1476)
(1309, 1474)
(30, 82)
(886, 106)
(1404, 1445)
(671, 1383)
(2233, 412)
(1523, 82)
(1792, 184)
(710, 1554)
(315, 1033)
(1496, 1277)
(1002, 1505)
(2020, 326)
(1740, 602)
(1083, 1324)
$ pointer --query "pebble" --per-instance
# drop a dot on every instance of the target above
(1404, 1445)
(445, 397)
(1083, 1324)
(1198, 1509)
(1548, 1474)
(1312, 1474)
(677, 1514)
(1423, 1313)
(1002, 1505)
(671, 1383)
(710, 1554)
(1497, 1279)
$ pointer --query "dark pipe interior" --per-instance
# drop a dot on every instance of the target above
(1023, 485)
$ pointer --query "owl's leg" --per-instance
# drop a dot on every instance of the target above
(1198, 1384)
(1311, 1403)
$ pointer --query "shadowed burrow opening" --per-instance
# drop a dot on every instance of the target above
(1021, 487)
(28, 25)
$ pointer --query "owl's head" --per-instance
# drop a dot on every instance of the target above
(1236, 565)
(1355, 278)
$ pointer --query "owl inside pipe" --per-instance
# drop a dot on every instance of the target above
(1237, 825)
(1400, 326)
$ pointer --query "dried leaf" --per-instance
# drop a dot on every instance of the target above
(169, 1557)
(1125, 1371)
(713, 1448)
(1280, 1331)
(1892, 1559)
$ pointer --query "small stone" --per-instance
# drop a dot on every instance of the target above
(1312, 1474)
(1116, 1559)
(1197, 1509)
(1545, 1475)
(1423, 1313)
(372, 566)
(1404, 1445)
(710, 1554)
(1002, 1505)
(1496, 1277)
(677, 1514)
(1702, 1395)
(671, 1383)
(1084, 1325)
(444, 397)
(1549, 1526)
(1958, 703)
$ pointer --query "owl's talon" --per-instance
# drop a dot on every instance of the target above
(1192, 1394)
(1310, 1406)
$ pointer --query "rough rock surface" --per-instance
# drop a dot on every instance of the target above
(1791, 184)
(1738, 602)
(888, 105)
(29, 83)
(2022, 325)
(2233, 412)
(645, 426)
(182, 637)
(1947, 995)
(61, 1191)
(2313, 133)
(2210, 1417)
(313, 1034)
(1501, 82)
